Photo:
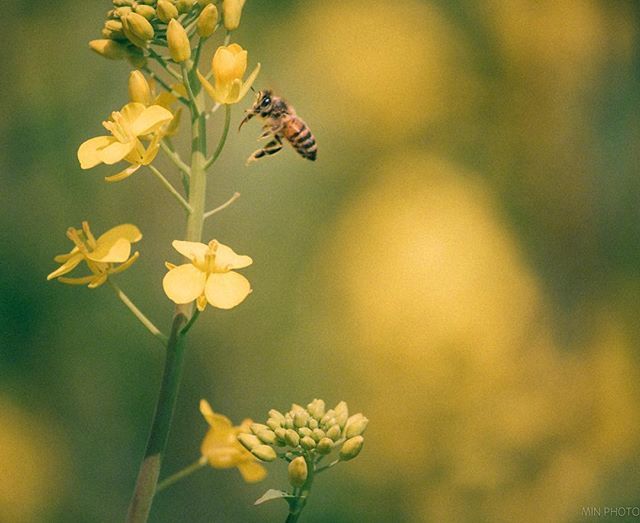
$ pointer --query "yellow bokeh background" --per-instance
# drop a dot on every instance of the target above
(461, 264)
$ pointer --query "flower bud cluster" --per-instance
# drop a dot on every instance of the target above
(132, 25)
(306, 435)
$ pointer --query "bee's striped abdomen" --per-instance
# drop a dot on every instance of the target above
(300, 137)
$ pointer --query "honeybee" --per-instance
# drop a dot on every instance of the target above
(281, 123)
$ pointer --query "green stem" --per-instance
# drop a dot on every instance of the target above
(223, 137)
(163, 63)
(150, 468)
(226, 204)
(297, 505)
(174, 157)
(138, 313)
(187, 471)
(171, 189)
(164, 84)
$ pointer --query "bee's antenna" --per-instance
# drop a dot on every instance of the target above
(253, 89)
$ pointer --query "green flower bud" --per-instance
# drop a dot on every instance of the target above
(305, 431)
(273, 424)
(121, 12)
(292, 438)
(249, 441)
(145, 10)
(231, 13)
(137, 29)
(139, 90)
(342, 413)
(355, 425)
(316, 408)
(280, 433)
(264, 452)
(207, 21)
(308, 443)
(351, 448)
(298, 472)
(109, 49)
(267, 436)
(166, 11)
(179, 46)
(300, 418)
(288, 422)
(312, 423)
(318, 434)
(334, 432)
(277, 415)
(184, 6)
(325, 445)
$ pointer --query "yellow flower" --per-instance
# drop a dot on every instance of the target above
(229, 65)
(222, 450)
(128, 127)
(101, 255)
(209, 277)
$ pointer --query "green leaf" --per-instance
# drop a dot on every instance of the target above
(272, 494)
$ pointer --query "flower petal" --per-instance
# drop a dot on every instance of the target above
(226, 257)
(132, 111)
(123, 174)
(126, 230)
(252, 471)
(150, 120)
(207, 86)
(232, 95)
(184, 283)
(116, 251)
(190, 250)
(89, 151)
(66, 267)
(116, 151)
(247, 85)
(217, 421)
(226, 290)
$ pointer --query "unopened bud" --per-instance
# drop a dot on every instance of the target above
(288, 421)
(231, 13)
(145, 10)
(109, 49)
(308, 443)
(267, 436)
(355, 425)
(273, 424)
(318, 434)
(312, 423)
(122, 3)
(305, 431)
(298, 472)
(257, 427)
(316, 408)
(277, 415)
(342, 413)
(280, 433)
(139, 90)
(184, 6)
(207, 21)
(179, 46)
(292, 438)
(334, 432)
(249, 441)
(326, 419)
(121, 12)
(166, 11)
(137, 29)
(264, 452)
(351, 448)
(324, 446)
(113, 29)
(300, 418)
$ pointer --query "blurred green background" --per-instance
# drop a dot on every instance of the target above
(461, 264)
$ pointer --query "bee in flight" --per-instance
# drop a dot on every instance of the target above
(281, 123)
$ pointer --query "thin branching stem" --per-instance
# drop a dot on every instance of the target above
(167, 185)
(164, 84)
(223, 137)
(173, 155)
(181, 474)
(163, 63)
(226, 204)
(138, 313)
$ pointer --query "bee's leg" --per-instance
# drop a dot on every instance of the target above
(266, 133)
(271, 148)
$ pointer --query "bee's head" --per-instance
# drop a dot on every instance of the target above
(262, 106)
(264, 100)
